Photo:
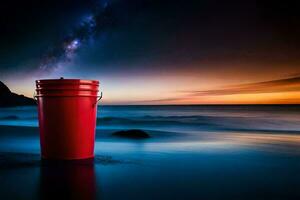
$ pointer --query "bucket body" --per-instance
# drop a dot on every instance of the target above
(67, 118)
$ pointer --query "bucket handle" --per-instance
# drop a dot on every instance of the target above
(99, 98)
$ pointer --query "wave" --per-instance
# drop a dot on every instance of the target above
(205, 123)
(179, 118)
(10, 117)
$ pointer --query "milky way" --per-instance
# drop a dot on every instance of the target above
(91, 25)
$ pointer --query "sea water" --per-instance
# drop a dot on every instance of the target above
(182, 118)
(194, 152)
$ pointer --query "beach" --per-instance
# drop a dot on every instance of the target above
(194, 152)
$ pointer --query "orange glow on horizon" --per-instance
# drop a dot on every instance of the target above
(263, 98)
(183, 89)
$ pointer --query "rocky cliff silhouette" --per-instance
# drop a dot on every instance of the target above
(10, 99)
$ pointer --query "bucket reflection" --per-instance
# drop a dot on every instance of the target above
(68, 180)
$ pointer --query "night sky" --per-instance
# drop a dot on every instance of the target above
(156, 52)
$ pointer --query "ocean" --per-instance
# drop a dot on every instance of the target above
(194, 152)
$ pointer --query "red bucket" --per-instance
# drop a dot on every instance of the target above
(67, 110)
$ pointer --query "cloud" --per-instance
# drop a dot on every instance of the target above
(280, 85)
(163, 100)
(267, 87)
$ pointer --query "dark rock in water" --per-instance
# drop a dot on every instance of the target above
(10, 99)
(133, 134)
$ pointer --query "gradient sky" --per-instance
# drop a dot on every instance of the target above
(156, 52)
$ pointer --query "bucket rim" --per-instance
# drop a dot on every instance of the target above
(67, 81)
